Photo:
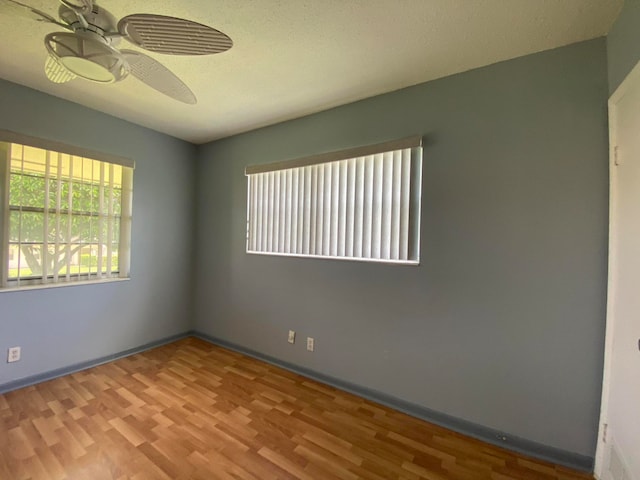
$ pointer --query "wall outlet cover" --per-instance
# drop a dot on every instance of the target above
(292, 336)
(310, 344)
(13, 354)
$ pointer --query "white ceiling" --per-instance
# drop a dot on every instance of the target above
(295, 57)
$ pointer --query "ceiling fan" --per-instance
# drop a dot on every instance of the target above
(87, 49)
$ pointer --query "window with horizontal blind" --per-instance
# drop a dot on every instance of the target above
(356, 204)
(66, 215)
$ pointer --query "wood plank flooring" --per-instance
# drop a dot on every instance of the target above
(191, 410)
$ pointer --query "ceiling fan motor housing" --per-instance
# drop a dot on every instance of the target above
(97, 20)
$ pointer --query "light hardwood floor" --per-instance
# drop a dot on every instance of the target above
(191, 410)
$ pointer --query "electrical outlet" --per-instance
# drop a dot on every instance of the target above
(13, 354)
(310, 344)
(292, 337)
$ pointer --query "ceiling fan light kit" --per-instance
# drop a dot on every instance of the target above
(87, 50)
(87, 57)
(56, 72)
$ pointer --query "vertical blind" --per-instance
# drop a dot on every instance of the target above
(69, 217)
(365, 207)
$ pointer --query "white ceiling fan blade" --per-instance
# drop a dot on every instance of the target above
(173, 36)
(19, 9)
(56, 72)
(158, 77)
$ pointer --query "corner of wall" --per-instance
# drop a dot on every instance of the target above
(194, 161)
(623, 44)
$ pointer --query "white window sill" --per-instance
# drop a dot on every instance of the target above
(41, 286)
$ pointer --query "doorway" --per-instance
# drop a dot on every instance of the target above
(618, 452)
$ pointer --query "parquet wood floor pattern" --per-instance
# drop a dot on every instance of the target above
(191, 410)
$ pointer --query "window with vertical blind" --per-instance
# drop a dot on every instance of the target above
(66, 213)
(356, 204)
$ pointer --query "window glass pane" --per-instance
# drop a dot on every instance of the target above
(53, 193)
(61, 260)
(65, 161)
(26, 190)
(91, 233)
(31, 228)
(114, 258)
(13, 258)
(106, 198)
(100, 230)
(27, 261)
(78, 199)
(89, 259)
(26, 226)
(116, 231)
(14, 226)
(59, 229)
(28, 159)
(96, 234)
(117, 201)
(16, 156)
(75, 260)
(34, 160)
(87, 170)
(95, 251)
(82, 197)
(82, 229)
(117, 176)
(76, 167)
(56, 259)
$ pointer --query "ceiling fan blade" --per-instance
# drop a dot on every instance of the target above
(173, 36)
(56, 72)
(158, 77)
(19, 9)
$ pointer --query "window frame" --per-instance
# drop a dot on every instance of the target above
(124, 221)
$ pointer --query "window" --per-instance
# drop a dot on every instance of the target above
(357, 204)
(66, 216)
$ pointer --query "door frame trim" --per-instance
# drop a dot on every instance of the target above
(632, 79)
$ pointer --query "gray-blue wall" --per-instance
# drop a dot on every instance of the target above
(503, 322)
(623, 43)
(60, 327)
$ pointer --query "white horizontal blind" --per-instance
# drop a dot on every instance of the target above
(67, 217)
(362, 208)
